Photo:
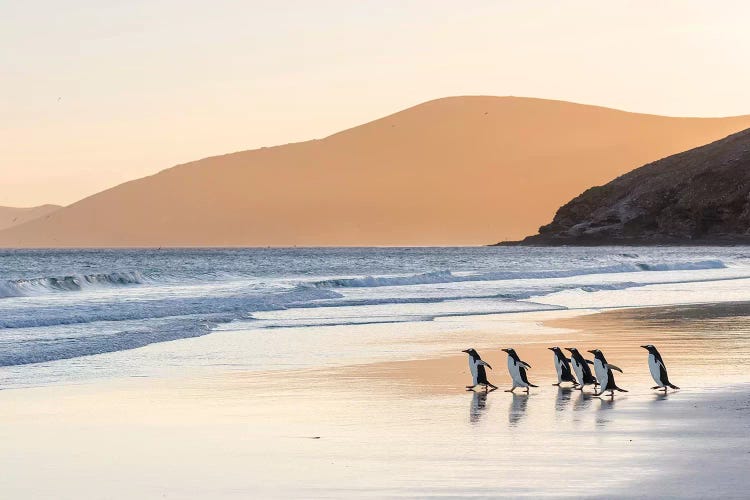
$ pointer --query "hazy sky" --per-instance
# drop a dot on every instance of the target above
(98, 92)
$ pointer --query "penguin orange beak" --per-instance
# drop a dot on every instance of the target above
(569, 349)
(645, 346)
(504, 350)
(592, 351)
(551, 348)
(466, 351)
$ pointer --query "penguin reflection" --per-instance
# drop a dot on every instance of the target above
(517, 409)
(478, 406)
(660, 396)
(563, 398)
(583, 401)
(605, 404)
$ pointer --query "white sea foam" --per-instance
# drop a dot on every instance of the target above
(185, 293)
(447, 276)
(74, 283)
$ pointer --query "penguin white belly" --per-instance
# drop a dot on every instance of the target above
(653, 367)
(474, 371)
(515, 373)
(558, 368)
(578, 369)
(602, 374)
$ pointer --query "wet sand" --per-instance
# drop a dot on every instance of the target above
(706, 345)
(407, 429)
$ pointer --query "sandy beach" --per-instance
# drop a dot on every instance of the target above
(406, 428)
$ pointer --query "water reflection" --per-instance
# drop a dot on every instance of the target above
(517, 408)
(661, 396)
(583, 401)
(563, 398)
(605, 403)
(478, 406)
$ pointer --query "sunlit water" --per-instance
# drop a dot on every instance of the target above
(74, 315)
(260, 367)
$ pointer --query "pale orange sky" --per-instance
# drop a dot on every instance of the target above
(99, 92)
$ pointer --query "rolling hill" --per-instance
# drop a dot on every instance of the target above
(454, 171)
(13, 216)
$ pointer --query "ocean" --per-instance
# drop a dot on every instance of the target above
(72, 315)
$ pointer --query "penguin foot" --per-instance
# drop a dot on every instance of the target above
(557, 384)
(656, 387)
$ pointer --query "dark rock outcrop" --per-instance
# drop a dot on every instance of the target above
(700, 196)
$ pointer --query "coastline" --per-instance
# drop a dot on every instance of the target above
(404, 428)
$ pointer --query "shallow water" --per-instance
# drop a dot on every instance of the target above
(304, 413)
(315, 437)
(68, 313)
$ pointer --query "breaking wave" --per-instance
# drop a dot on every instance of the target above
(448, 277)
(233, 305)
(39, 286)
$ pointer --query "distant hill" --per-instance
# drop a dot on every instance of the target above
(701, 196)
(454, 171)
(12, 216)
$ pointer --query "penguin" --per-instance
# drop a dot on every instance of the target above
(517, 370)
(604, 374)
(657, 368)
(581, 368)
(562, 366)
(478, 373)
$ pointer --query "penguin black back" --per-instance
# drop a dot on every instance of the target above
(562, 366)
(583, 364)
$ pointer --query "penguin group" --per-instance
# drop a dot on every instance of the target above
(574, 370)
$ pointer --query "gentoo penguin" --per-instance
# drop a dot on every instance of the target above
(604, 374)
(562, 366)
(517, 370)
(581, 368)
(478, 373)
(657, 368)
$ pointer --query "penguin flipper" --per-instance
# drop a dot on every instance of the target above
(613, 367)
(672, 385)
(621, 390)
(589, 361)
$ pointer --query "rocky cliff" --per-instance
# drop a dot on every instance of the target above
(700, 196)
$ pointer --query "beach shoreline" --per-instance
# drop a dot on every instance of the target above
(389, 428)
